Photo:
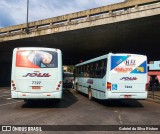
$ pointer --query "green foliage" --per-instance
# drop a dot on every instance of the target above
(70, 69)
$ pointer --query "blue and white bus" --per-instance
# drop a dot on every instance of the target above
(36, 73)
(113, 76)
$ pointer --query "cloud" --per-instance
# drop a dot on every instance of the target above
(6, 20)
(13, 12)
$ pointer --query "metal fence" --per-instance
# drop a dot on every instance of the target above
(154, 94)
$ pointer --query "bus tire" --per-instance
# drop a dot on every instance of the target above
(90, 97)
(28, 101)
(57, 100)
(25, 101)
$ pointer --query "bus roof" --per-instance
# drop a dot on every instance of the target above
(37, 48)
(92, 60)
(105, 56)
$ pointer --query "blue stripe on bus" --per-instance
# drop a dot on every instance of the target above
(141, 68)
(116, 60)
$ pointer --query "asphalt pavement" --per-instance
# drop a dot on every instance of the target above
(77, 109)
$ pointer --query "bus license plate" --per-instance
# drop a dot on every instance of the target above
(127, 96)
(36, 87)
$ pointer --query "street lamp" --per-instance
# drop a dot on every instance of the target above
(27, 28)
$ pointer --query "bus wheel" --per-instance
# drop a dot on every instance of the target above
(90, 94)
(27, 101)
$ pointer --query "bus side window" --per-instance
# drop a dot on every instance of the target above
(87, 70)
(104, 66)
(98, 70)
(83, 71)
(92, 71)
(76, 71)
(79, 70)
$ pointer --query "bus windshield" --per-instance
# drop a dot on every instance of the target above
(36, 59)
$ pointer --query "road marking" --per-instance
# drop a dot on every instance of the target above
(8, 98)
(5, 92)
(9, 103)
(5, 95)
(4, 89)
(120, 120)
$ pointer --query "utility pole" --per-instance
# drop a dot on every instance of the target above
(27, 28)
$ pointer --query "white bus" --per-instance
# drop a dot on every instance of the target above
(113, 76)
(36, 73)
(68, 79)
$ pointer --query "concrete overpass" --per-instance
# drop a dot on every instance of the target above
(131, 27)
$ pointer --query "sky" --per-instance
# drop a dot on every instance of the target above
(14, 12)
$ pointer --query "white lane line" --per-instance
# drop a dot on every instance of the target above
(9, 103)
(7, 92)
(120, 119)
(4, 90)
(8, 98)
(5, 95)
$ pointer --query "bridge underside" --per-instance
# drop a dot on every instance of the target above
(141, 36)
(133, 36)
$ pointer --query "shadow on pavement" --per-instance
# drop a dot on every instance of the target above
(118, 103)
(67, 100)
